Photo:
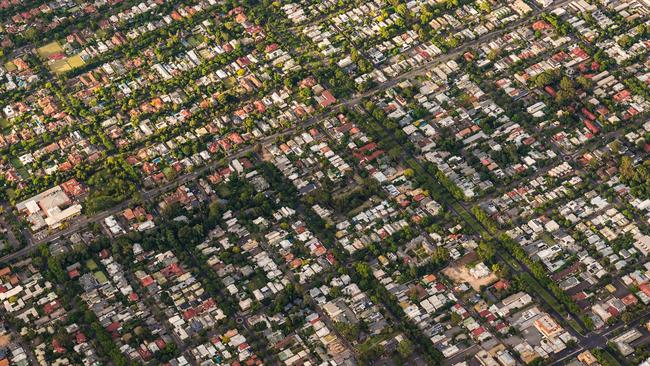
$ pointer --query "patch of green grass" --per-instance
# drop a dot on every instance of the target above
(49, 49)
(101, 277)
(605, 358)
(576, 326)
(10, 66)
(511, 261)
(91, 265)
(195, 41)
(19, 166)
(75, 61)
(60, 67)
(546, 237)
(537, 288)
(15, 161)
(11, 194)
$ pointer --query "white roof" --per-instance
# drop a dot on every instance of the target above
(32, 207)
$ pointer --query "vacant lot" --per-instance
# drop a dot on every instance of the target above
(459, 273)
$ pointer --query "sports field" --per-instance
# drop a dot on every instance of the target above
(62, 65)
(49, 49)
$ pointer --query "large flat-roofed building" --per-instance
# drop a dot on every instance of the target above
(548, 326)
(49, 208)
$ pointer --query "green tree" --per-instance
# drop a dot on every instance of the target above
(405, 348)
(455, 318)
(543, 79)
(626, 168)
(485, 250)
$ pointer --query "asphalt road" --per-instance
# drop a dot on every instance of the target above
(598, 339)
(589, 341)
(150, 194)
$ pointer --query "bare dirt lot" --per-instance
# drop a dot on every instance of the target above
(459, 273)
(4, 340)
